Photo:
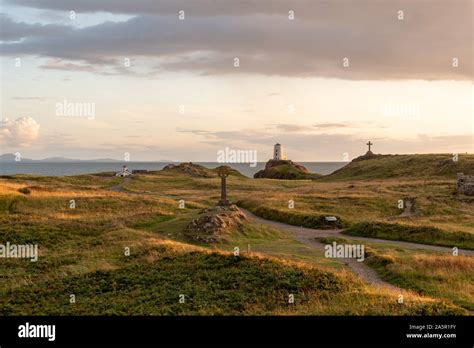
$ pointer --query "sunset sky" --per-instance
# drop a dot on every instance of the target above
(407, 87)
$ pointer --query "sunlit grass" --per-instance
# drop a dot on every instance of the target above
(82, 249)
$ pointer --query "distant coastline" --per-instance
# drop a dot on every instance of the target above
(60, 168)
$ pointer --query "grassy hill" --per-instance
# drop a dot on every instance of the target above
(395, 166)
(212, 284)
(82, 253)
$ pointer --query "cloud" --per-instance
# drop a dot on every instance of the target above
(259, 33)
(20, 132)
(14, 31)
(324, 146)
(330, 125)
(295, 128)
(284, 127)
(58, 64)
(30, 98)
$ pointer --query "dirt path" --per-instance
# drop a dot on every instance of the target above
(365, 272)
(119, 187)
(310, 234)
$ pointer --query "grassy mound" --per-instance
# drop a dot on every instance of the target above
(192, 169)
(197, 170)
(212, 284)
(415, 234)
(394, 166)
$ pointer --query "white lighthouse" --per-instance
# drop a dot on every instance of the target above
(278, 153)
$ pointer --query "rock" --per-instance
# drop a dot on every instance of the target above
(213, 223)
(274, 163)
(284, 169)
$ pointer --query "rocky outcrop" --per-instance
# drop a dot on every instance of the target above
(213, 223)
(284, 169)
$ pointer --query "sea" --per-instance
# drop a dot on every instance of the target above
(77, 168)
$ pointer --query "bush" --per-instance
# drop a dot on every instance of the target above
(290, 218)
(25, 190)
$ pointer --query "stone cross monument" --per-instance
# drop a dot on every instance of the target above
(369, 144)
(223, 174)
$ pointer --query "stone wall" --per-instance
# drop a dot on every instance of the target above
(465, 184)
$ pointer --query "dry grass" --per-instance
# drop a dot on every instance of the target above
(441, 276)
(76, 245)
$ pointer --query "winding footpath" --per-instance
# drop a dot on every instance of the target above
(308, 236)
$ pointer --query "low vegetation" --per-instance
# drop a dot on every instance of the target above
(397, 166)
(433, 274)
(291, 218)
(157, 275)
(415, 234)
(196, 170)
(82, 247)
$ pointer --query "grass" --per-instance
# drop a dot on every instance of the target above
(291, 218)
(415, 234)
(278, 243)
(82, 249)
(397, 166)
(213, 284)
(362, 201)
(432, 274)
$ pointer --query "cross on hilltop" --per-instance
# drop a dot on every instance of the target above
(369, 144)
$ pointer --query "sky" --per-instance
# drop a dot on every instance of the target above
(180, 80)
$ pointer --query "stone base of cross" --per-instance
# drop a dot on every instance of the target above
(224, 203)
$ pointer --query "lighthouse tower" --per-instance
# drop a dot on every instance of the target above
(278, 153)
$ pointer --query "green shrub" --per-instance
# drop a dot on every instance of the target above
(24, 190)
(291, 218)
